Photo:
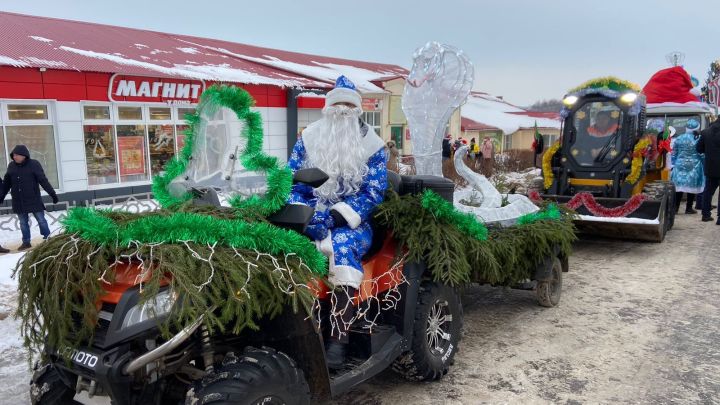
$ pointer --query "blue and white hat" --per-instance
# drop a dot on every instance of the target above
(692, 124)
(344, 92)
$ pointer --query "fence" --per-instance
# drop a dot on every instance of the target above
(131, 203)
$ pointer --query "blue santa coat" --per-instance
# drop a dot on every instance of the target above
(346, 245)
(687, 165)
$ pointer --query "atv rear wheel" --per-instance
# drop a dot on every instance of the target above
(259, 376)
(48, 388)
(549, 291)
(436, 334)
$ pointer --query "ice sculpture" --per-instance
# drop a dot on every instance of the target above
(439, 82)
(491, 208)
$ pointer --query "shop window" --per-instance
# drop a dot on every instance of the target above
(27, 112)
(100, 154)
(162, 147)
(130, 113)
(180, 136)
(96, 112)
(40, 141)
(132, 155)
(3, 155)
(183, 111)
(160, 114)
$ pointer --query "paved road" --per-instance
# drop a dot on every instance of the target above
(638, 323)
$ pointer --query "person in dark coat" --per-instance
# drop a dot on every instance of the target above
(2, 249)
(22, 180)
(709, 144)
(446, 148)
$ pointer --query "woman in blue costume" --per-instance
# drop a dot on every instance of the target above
(687, 167)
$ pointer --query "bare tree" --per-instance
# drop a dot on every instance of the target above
(552, 105)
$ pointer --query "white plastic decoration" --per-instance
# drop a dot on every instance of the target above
(491, 209)
(439, 82)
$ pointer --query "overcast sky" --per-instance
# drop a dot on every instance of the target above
(524, 50)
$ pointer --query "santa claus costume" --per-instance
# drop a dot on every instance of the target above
(354, 158)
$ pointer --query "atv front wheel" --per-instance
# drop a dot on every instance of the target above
(259, 376)
(436, 334)
(48, 388)
(549, 291)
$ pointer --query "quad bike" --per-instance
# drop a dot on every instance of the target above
(283, 362)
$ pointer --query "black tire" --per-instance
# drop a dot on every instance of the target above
(48, 388)
(435, 337)
(549, 291)
(260, 376)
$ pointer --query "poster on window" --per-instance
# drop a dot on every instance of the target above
(132, 156)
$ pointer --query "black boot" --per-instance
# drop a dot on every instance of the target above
(335, 354)
(689, 210)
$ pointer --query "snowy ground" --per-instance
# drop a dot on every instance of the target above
(638, 323)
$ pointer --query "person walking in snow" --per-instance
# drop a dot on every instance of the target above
(2, 249)
(687, 167)
(22, 180)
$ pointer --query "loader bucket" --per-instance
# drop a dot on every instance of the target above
(647, 223)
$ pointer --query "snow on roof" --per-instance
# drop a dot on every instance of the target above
(90, 47)
(466, 124)
(41, 39)
(493, 111)
(310, 94)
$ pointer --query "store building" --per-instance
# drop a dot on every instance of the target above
(102, 107)
(513, 127)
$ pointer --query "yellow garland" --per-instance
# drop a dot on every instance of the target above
(636, 166)
(546, 166)
(610, 82)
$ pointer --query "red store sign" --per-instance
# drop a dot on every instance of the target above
(154, 90)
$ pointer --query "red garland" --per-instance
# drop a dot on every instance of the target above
(534, 196)
(664, 146)
(598, 210)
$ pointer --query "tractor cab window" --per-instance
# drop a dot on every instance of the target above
(597, 139)
(675, 124)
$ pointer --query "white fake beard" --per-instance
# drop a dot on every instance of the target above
(342, 159)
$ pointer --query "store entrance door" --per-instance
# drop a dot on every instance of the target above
(396, 134)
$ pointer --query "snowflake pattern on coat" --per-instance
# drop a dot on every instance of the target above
(687, 165)
(349, 245)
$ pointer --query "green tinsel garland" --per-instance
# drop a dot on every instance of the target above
(445, 211)
(60, 280)
(279, 178)
(608, 82)
(431, 235)
(551, 212)
(174, 227)
(457, 256)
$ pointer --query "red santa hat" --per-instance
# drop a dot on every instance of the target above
(670, 85)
